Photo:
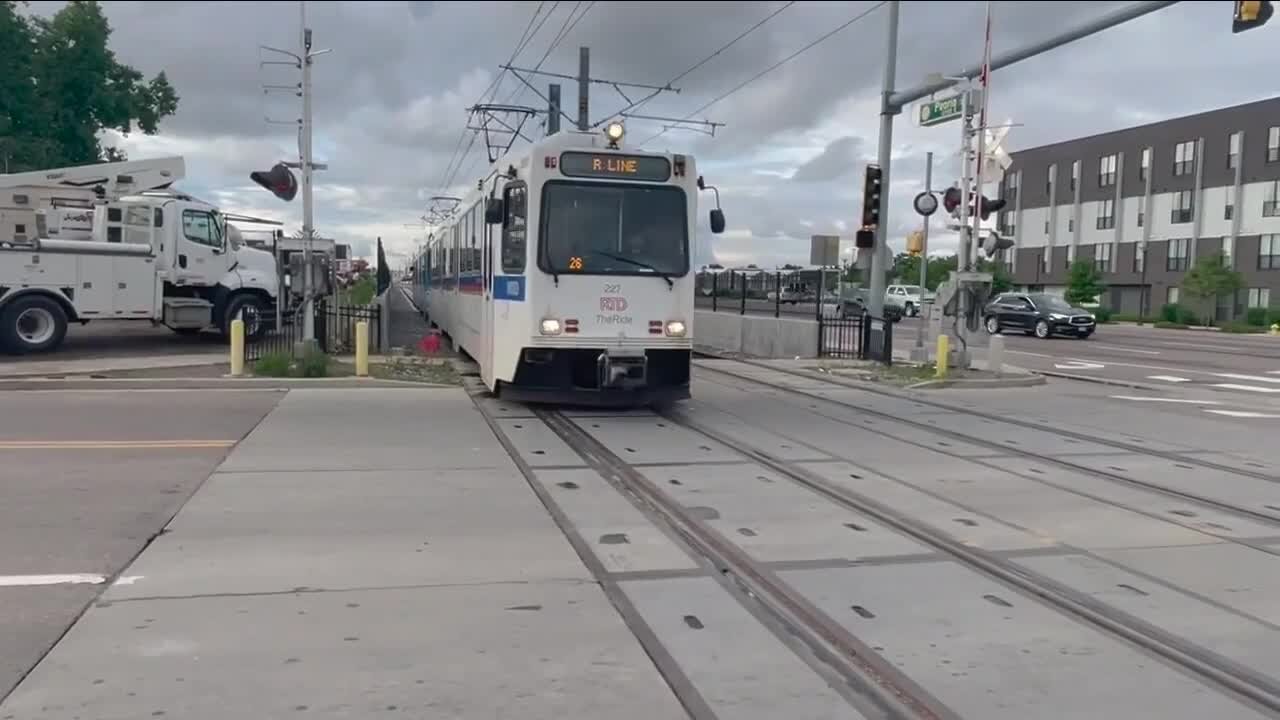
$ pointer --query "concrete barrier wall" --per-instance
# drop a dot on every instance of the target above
(764, 337)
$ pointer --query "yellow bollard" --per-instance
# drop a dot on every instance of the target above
(237, 347)
(362, 349)
(940, 365)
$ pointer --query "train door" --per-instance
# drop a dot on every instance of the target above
(487, 305)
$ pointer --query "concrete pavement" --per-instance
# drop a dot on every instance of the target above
(88, 480)
(362, 552)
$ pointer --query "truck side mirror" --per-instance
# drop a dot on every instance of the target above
(494, 211)
(717, 221)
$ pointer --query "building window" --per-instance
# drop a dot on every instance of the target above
(1106, 215)
(1102, 257)
(1271, 203)
(1139, 257)
(1269, 252)
(1006, 224)
(1179, 255)
(1048, 180)
(1172, 295)
(1071, 225)
(1141, 216)
(1259, 297)
(1184, 155)
(1273, 144)
(1227, 252)
(1233, 150)
(1182, 207)
(1107, 170)
(1011, 187)
(1228, 211)
(1075, 174)
(1145, 166)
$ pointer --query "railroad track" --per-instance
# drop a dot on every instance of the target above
(827, 645)
(1267, 512)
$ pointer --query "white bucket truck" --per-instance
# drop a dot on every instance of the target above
(147, 253)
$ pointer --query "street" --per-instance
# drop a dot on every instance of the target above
(782, 545)
(90, 477)
(106, 339)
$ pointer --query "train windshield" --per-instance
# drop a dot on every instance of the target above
(598, 229)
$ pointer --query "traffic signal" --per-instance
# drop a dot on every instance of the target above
(1250, 14)
(982, 205)
(871, 197)
(279, 180)
(994, 243)
(986, 207)
(864, 238)
(951, 200)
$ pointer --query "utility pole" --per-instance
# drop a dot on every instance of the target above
(920, 352)
(883, 159)
(553, 109)
(584, 88)
(308, 219)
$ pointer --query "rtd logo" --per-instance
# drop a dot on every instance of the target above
(613, 304)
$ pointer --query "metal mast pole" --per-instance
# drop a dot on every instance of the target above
(982, 131)
(309, 331)
(884, 157)
(924, 256)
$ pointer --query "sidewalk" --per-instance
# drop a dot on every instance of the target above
(362, 553)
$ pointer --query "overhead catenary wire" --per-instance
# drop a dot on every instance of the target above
(823, 38)
(450, 170)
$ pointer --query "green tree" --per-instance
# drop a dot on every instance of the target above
(1084, 283)
(62, 86)
(1001, 280)
(1208, 280)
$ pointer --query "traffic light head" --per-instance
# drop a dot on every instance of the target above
(951, 200)
(986, 207)
(279, 180)
(871, 197)
(864, 238)
(994, 243)
(915, 243)
(1250, 14)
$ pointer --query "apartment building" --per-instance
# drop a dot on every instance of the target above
(1144, 203)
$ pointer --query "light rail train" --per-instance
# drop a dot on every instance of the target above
(566, 274)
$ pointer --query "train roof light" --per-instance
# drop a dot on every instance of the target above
(614, 131)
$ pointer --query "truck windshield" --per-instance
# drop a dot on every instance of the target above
(599, 229)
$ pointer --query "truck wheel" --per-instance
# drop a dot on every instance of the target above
(253, 309)
(32, 324)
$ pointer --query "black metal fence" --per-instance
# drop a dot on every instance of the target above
(781, 292)
(334, 326)
(857, 337)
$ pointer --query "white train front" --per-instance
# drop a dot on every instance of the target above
(567, 274)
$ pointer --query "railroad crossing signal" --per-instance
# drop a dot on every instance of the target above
(1250, 14)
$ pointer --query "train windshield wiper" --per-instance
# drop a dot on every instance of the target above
(637, 263)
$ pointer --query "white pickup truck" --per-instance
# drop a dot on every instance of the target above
(907, 298)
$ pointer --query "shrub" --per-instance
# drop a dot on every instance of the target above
(276, 364)
(314, 364)
(1240, 327)
(1185, 316)
(1256, 316)
(1165, 324)
(1102, 314)
(1169, 312)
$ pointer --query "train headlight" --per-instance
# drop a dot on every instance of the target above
(550, 327)
(614, 131)
(676, 328)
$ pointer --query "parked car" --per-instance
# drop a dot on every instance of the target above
(788, 295)
(855, 300)
(1037, 314)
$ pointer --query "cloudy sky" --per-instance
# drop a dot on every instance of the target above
(390, 99)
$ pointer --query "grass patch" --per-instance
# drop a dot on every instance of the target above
(1242, 327)
(405, 370)
(314, 364)
(1166, 325)
(360, 293)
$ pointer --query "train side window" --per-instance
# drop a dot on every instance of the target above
(514, 229)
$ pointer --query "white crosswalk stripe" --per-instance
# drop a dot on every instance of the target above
(1247, 388)
(1249, 378)
(1169, 378)
(1243, 413)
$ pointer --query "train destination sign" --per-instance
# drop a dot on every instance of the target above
(609, 165)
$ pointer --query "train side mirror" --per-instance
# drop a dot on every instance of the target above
(494, 212)
(717, 221)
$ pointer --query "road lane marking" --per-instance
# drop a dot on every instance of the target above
(1137, 398)
(1247, 388)
(1114, 363)
(33, 580)
(1243, 414)
(114, 444)
(1079, 365)
(1125, 349)
(1169, 378)
(1251, 378)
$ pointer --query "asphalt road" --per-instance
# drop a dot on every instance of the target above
(113, 339)
(90, 477)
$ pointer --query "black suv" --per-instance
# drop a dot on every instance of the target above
(1043, 315)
